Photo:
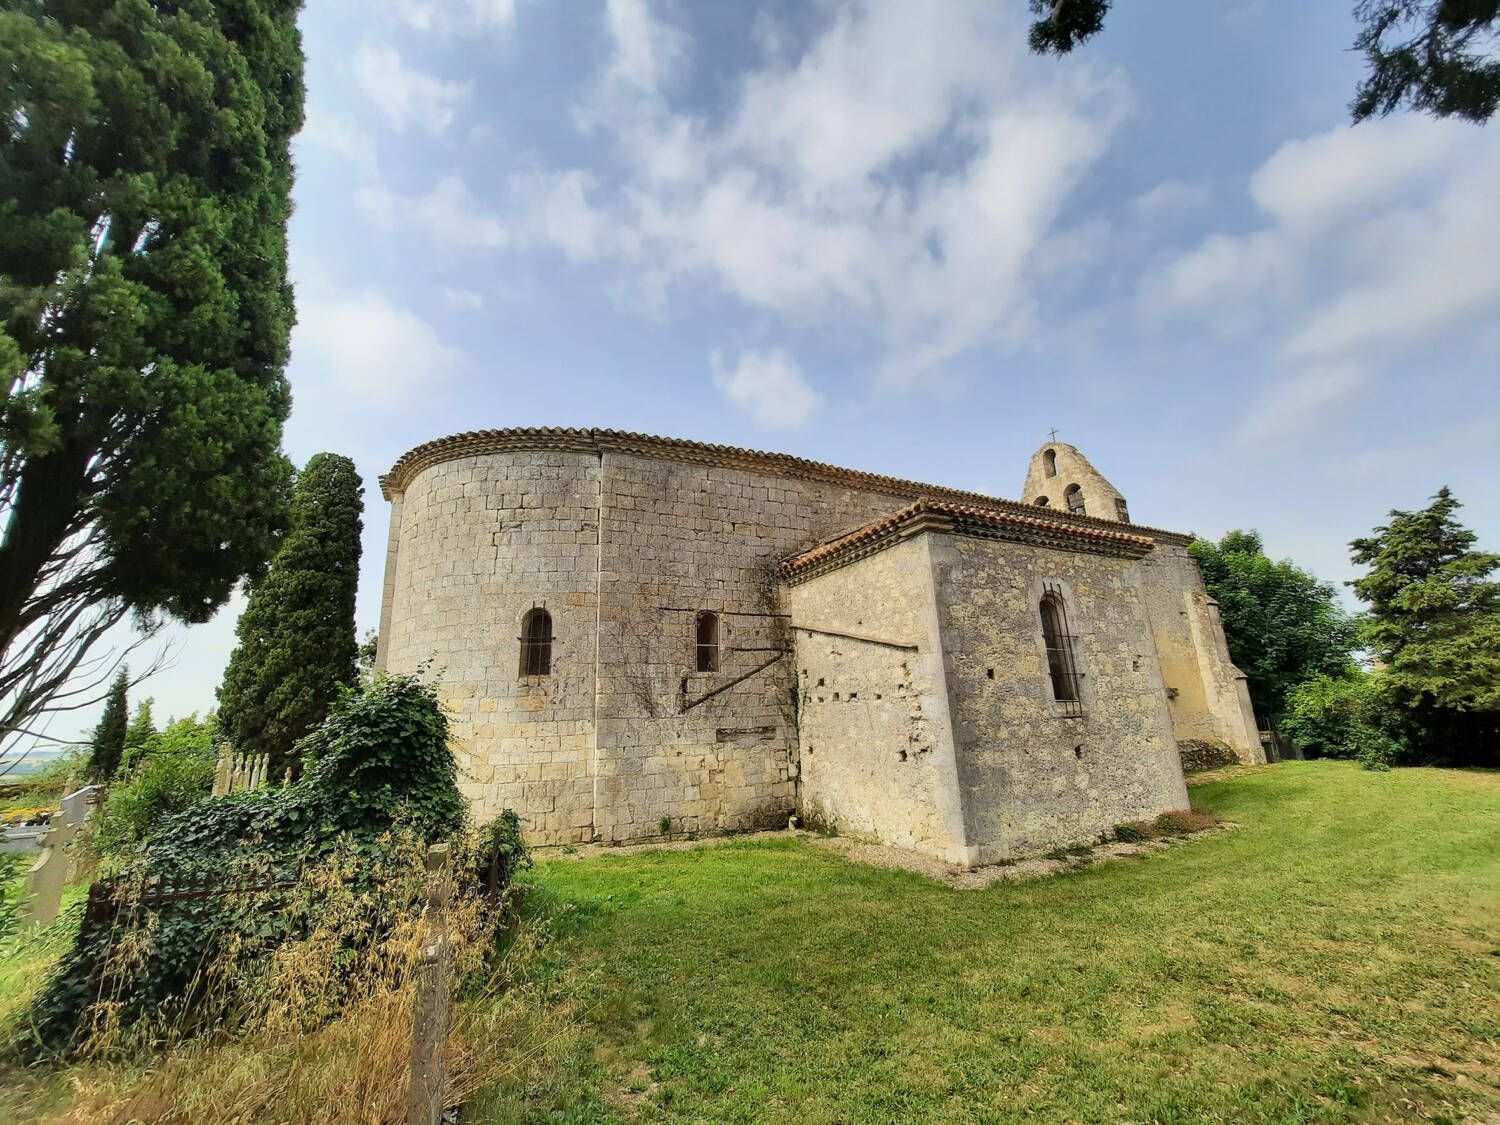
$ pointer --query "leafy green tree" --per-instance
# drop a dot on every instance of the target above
(1435, 56)
(174, 771)
(1347, 716)
(138, 735)
(107, 744)
(368, 648)
(1282, 624)
(1434, 628)
(297, 644)
(144, 319)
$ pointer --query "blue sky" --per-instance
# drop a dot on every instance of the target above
(886, 237)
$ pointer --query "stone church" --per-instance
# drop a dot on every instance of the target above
(639, 635)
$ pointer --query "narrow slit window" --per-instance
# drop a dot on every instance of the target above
(1062, 664)
(536, 643)
(708, 642)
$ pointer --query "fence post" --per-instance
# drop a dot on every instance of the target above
(429, 1030)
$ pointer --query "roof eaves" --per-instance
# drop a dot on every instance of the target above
(596, 442)
(927, 515)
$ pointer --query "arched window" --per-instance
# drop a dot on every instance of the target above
(536, 643)
(1074, 497)
(1061, 666)
(708, 642)
(1042, 502)
(1049, 461)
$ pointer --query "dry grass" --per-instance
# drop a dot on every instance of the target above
(320, 1033)
(1178, 822)
(352, 1070)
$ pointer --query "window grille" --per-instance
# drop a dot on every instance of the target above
(1062, 664)
(1074, 498)
(536, 643)
(708, 642)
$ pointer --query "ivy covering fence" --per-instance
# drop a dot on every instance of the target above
(225, 885)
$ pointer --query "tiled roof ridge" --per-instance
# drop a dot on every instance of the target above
(584, 440)
(918, 517)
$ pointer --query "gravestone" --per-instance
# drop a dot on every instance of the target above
(45, 880)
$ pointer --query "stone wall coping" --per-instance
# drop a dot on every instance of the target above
(550, 439)
(984, 523)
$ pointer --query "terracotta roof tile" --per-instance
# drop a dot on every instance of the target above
(1022, 527)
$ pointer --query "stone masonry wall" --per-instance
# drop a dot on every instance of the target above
(877, 746)
(622, 549)
(1206, 695)
(678, 539)
(606, 747)
(481, 540)
(1032, 777)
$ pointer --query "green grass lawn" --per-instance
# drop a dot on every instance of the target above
(1336, 959)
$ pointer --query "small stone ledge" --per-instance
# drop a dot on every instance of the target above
(1199, 755)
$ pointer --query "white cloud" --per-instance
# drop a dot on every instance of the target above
(1300, 403)
(556, 210)
(1342, 173)
(768, 385)
(457, 17)
(646, 50)
(337, 134)
(372, 349)
(465, 300)
(448, 214)
(1169, 200)
(1220, 270)
(1375, 239)
(803, 200)
(1418, 272)
(874, 85)
(405, 95)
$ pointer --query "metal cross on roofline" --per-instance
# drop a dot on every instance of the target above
(1053, 432)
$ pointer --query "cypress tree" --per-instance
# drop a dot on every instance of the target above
(140, 731)
(108, 741)
(296, 637)
(144, 316)
(1434, 627)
